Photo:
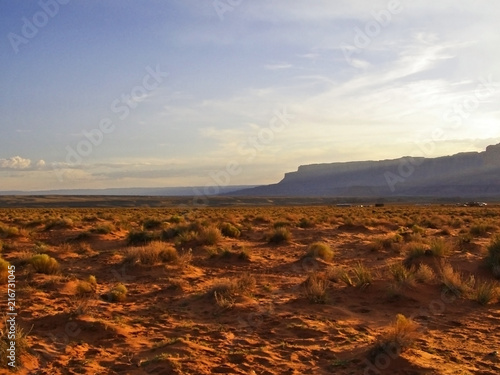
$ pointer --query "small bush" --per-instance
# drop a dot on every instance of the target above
(85, 287)
(151, 224)
(454, 281)
(320, 250)
(153, 253)
(493, 257)
(279, 235)
(402, 275)
(229, 230)
(362, 276)
(306, 223)
(440, 247)
(401, 335)
(118, 293)
(315, 288)
(139, 238)
(485, 291)
(413, 251)
(63, 223)
(103, 229)
(225, 291)
(8, 232)
(42, 263)
(209, 236)
(424, 274)
(480, 230)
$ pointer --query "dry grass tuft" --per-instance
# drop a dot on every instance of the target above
(320, 250)
(401, 336)
(154, 253)
(279, 235)
(315, 288)
(454, 281)
(42, 263)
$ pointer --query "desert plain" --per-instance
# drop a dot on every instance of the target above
(267, 290)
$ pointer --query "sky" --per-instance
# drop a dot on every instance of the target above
(124, 93)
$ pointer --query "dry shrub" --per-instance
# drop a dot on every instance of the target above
(154, 253)
(229, 230)
(320, 250)
(279, 235)
(454, 281)
(226, 291)
(440, 247)
(424, 274)
(42, 263)
(493, 257)
(400, 336)
(86, 287)
(315, 288)
(403, 276)
(485, 292)
(117, 294)
(21, 345)
(209, 236)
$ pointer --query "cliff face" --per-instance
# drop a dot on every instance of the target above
(465, 174)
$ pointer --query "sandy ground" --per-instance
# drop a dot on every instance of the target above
(171, 323)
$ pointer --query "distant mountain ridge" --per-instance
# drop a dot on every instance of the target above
(468, 174)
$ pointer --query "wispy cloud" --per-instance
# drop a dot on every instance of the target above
(17, 163)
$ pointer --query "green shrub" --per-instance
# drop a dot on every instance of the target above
(42, 263)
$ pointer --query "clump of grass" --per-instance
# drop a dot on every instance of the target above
(362, 276)
(315, 288)
(480, 230)
(62, 223)
(320, 250)
(226, 291)
(139, 237)
(88, 286)
(210, 235)
(306, 223)
(244, 255)
(279, 235)
(485, 291)
(103, 229)
(42, 263)
(229, 230)
(153, 253)
(152, 224)
(118, 293)
(493, 257)
(413, 251)
(400, 336)
(454, 281)
(402, 275)
(440, 248)
(424, 274)
(8, 231)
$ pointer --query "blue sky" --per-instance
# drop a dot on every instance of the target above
(123, 93)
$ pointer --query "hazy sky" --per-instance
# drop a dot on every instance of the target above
(123, 93)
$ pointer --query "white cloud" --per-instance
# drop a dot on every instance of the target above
(19, 163)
